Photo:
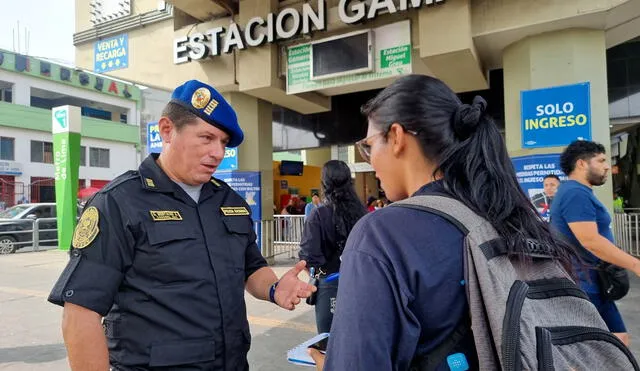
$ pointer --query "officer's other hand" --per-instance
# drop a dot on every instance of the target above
(291, 289)
(318, 358)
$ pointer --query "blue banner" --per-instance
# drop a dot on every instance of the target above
(247, 184)
(154, 141)
(230, 160)
(530, 171)
(555, 116)
(111, 54)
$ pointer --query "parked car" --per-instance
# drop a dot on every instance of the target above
(20, 218)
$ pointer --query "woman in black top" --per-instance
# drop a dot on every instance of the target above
(325, 234)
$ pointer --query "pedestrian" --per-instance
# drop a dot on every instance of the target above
(585, 222)
(325, 234)
(315, 202)
(402, 292)
(165, 254)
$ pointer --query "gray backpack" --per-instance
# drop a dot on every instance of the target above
(523, 316)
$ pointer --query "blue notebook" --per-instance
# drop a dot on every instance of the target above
(299, 355)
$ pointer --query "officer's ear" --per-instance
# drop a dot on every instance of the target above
(166, 128)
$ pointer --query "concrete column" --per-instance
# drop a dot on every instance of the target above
(552, 59)
(317, 156)
(21, 93)
(255, 153)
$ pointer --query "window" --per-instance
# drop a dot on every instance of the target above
(7, 148)
(123, 118)
(83, 156)
(6, 95)
(98, 157)
(42, 152)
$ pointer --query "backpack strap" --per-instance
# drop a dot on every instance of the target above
(444, 206)
(465, 220)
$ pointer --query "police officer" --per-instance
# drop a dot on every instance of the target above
(164, 255)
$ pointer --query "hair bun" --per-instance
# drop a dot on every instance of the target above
(467, 117)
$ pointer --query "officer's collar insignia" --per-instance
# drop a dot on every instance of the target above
(165, 216)
(215, 183)
(87, 228)
(200, 98)
(234, 210)
(149, 182)
(210, 107)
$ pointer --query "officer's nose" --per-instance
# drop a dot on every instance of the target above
(216, 150)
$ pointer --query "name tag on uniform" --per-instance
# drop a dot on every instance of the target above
(164, 216)
(234, 210)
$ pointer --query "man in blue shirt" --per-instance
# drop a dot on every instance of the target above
(315, 201)
(586, 224)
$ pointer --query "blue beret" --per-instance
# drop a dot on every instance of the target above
(205, 102)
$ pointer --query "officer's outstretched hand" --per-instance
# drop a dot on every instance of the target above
(291, 289)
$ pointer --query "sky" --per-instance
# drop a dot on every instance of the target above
(51, 24)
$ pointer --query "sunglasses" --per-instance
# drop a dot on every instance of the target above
(365, 148)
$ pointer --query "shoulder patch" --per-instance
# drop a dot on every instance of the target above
(87, 228)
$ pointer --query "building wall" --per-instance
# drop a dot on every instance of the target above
(309, 180)
(122, 156)
(23, 84)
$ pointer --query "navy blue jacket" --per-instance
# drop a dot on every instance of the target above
(167, 273)
(401, 289)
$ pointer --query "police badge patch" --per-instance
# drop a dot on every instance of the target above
(87, 228)
(200, 98)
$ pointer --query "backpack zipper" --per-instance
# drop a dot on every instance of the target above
(511, 326)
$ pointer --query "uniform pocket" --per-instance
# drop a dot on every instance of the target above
(182, 352)
(238, 224)
(161, 233)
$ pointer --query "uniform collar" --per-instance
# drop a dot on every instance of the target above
(153, 178)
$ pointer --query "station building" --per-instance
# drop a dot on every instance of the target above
(297, 72)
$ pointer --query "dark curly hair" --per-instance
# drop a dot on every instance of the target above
(340, 195)
(579, 150)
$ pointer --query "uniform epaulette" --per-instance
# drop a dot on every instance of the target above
(131, 174)
(218, 183)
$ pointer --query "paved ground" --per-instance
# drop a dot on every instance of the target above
(30, 336)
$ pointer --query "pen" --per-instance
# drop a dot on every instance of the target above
(332, 277)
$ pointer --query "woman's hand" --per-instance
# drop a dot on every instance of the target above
(318, 358)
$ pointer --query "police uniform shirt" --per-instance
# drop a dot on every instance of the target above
(401, 290)
(168, 273)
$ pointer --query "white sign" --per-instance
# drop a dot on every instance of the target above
(10, 168)
(65, 119)
(392, 58)
(286, 24)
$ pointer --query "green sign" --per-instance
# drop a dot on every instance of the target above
(395, 57)
(392, 58)
(66, 122)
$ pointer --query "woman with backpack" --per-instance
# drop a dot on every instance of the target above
(325, 234)
(402, 302)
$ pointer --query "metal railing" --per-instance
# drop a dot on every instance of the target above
(279, 236)
(627, 230)
(29, 235)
